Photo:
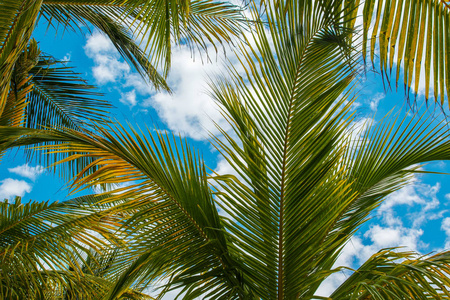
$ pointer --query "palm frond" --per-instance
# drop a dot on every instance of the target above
(175, 220)
(41, 244)
(384, 159)
(108, 21)
(17, 23)
(287, 116)
(413, 35)
(391, 274)
(158, 23)
(60, 98)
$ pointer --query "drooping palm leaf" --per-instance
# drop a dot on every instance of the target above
(160, 23)
(414, 36)
(60, 98)
(398, 275)
(108, 22)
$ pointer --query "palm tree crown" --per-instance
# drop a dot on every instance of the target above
(303, 184)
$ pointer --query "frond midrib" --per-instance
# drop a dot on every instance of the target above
(56, 106)
(285, 151)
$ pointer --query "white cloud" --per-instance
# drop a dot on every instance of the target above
(27, 171)
(373, 104)
(108, 65)
(330, 284)
(445, 226)
(67, 57)
(189, 110)
(12, 187)
(129, 98)
(418, 193)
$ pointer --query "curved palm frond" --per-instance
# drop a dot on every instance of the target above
(42, 243)
(109, 22)
(414, 35)
(159, 23)
(390, 274)
(175, 230)
(18, 19)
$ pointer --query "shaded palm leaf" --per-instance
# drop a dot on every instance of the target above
(41, 242)
(60, 98)
(17, 23)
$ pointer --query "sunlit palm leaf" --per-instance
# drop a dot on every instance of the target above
(303, 191)
(159, 23)
(175, 221)
(398, 275)
(414, 35)
(288, 123)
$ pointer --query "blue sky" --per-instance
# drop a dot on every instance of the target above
(417, 216)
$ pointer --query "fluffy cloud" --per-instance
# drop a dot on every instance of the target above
(189, 110)
(108, 65)
(27, 171)
(12, 187)
(417, 194)
(445, 226)
(129, 98)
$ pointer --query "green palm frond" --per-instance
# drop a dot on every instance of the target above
(160, 23)
(41, 242)
(109, 22)
(391, 274)
(385, 158)
(305, 186)
(60, 98)
(414, 35)
(287, 117)
(17, 21)
(174, 218)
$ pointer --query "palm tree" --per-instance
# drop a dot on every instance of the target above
(304, 184)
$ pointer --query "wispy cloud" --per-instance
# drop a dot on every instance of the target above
(28, 171)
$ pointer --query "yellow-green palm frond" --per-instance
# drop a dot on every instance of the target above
(42, 245)
(175, 228)
(158, 24)
(391, 274)
(413, 35)
(18, 19)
